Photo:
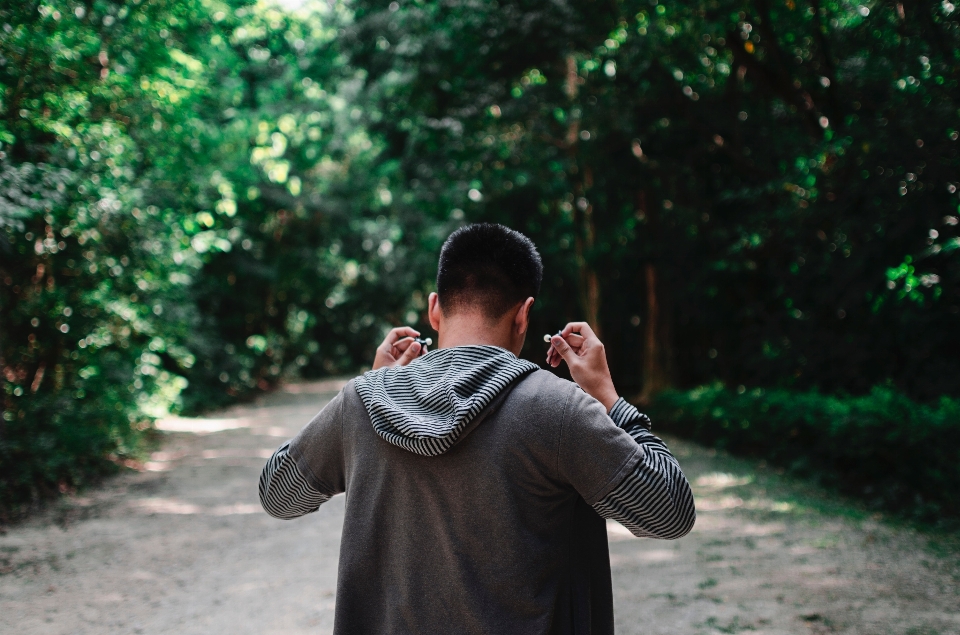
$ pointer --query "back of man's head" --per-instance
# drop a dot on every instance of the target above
(487, 268)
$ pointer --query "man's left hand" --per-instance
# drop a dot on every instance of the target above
(586, 358)
(398, 348)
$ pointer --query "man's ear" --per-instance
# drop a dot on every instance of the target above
(522, 320)
(434, 314)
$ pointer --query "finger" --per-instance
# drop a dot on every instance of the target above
(555, 359)
(563, 349)
(553, 356)
(402, 345)
(412, 352)
(396, 333)
(574, 341)
(578, 327)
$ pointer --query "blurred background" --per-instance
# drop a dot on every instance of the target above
(754, 202)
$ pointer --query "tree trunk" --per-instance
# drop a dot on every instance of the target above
(589, 282)
(655, 347)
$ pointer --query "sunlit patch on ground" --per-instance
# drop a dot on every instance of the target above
(323, 387)
(264, 453)
(714, 504)
(721, 480)
(173, 506)
(199, 425)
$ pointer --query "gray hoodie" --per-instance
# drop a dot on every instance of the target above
(476, 490)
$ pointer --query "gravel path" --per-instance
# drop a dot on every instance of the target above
(184, 548)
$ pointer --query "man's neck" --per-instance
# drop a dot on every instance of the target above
(474, 330)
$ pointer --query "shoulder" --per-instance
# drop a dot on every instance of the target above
(561, 397)
(545, 380)
(350, 388)
(545, 390)
(350, 398)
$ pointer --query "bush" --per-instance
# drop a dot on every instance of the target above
(893, 451)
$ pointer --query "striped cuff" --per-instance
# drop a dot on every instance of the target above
(624, 414)
(284, 492)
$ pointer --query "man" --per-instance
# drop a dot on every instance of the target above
(470, 474)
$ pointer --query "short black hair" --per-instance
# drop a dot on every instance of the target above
(487, 266)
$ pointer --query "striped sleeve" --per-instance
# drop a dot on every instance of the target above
(655, 500)
(284, 492)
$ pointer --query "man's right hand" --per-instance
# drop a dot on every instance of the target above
(586, 358)
(398, 348)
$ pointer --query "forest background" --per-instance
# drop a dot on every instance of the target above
(754, 202)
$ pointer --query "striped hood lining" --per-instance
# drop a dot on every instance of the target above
(425, 407)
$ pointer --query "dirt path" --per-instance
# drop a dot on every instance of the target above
(184, 548)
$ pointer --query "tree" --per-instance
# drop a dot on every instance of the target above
(709, 171)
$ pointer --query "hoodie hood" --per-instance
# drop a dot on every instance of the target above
(425, 406)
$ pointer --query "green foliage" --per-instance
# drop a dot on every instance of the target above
(94, 278)
(323, 262)
(882, 446)
(189, 209)
(774, 166)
